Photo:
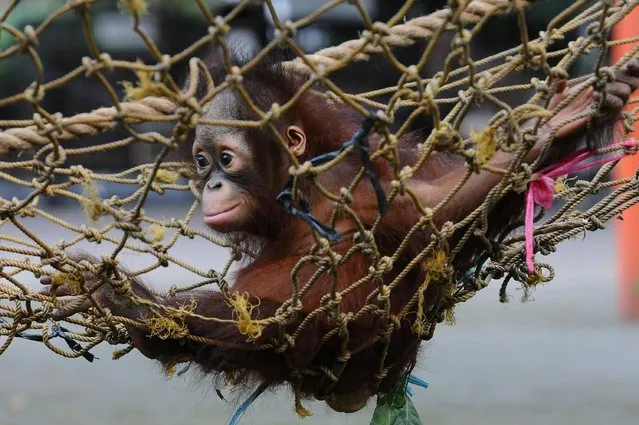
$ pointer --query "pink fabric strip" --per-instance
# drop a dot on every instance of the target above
(541, 189)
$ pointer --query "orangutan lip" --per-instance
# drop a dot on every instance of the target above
(219, 216)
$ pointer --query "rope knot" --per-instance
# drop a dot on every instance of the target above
(91, 66)
(288, 30)
(163, 258)
(34, 93)
(107, 265)
(447, 230)
(59, 258)
(273, 114)
(406, 173)
(384, 265)
(367, 241)
(282, 345)
(304, 168)
(346, 197)
(330, 261)
(446, 137)
(558, 73)
(431, 91)
(481, 84)
(130, 223)
(56, 158)
(91, 235)
(593, 31)
(535, 54)
(371, 37)
(165, 63)
(605, 74)
(234, 78)
(540, 86)
(576, 44)
(81, 173)
(30, 38)
(106, 61)
(7, 208)
(221, 27)
(182, 228)
(384, 293)
(412, 73)
(462, 39)
(115, 335)
(521, 178)
(381, 28)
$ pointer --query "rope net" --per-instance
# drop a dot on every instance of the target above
(46, 168)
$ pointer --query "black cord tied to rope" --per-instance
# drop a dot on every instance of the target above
(303, 210)
(57, 332)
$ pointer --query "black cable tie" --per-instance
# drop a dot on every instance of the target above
(30, 337)
(360, 142)
(56, 332)
(73, 344)
(286, 199)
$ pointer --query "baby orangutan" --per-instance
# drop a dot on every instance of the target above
(240, 173)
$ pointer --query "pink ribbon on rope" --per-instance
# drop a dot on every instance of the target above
(541, 191)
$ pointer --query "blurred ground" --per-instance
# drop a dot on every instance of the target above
(563, 358)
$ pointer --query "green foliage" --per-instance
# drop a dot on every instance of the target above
(396, 409)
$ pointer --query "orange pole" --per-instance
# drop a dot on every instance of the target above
(627, 231)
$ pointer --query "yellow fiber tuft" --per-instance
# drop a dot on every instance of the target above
(449, 316)
(242, 310)
(71, 280)
(166, 176)
(485, 145)
(145, 87)
(169, 369)
(301, 411)
(437, 265)
(165, 327)
(535, 278)
(157, 232)
(560, 185)
(134, 7)
(172, 324)
(92, 205)
(436, 268)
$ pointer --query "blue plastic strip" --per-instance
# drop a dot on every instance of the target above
(244, 406)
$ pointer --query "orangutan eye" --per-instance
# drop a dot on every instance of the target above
(202, 161)
(226, 158)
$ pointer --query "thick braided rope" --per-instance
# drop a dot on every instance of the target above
(85, 124)
(102, 119)
(405, 34)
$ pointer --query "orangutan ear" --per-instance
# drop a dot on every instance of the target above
(296, 140)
